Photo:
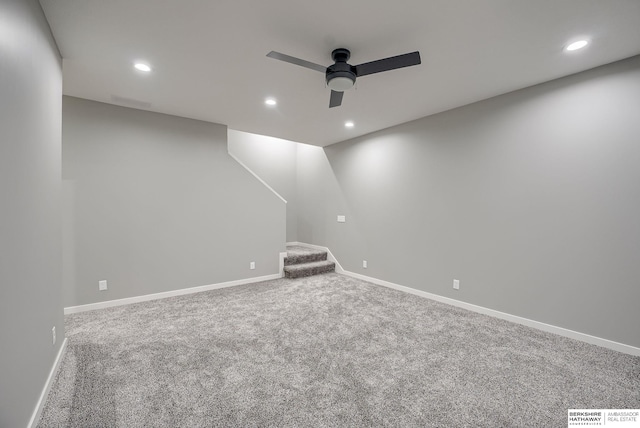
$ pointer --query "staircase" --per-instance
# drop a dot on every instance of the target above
(304, 261)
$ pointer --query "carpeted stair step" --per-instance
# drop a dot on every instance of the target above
(297, 254)
(308, 269)
(304, 261)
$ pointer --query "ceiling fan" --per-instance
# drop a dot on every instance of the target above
(342, 76)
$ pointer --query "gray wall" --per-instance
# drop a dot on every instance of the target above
(274, 161)
(30, 238)
(155, 203)
(530, 199)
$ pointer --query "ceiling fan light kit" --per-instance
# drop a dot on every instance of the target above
(340, 83)
(341, 76)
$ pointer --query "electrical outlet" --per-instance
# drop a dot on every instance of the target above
(456, 284)
(53, 334)
(342, 219)
(252, 265)
(102, 285)
(364, 264)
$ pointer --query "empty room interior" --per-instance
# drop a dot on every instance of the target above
(244, 213)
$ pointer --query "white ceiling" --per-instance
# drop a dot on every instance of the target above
(209, 56)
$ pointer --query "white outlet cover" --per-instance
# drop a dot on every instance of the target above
(102, 285)
(342, 219)
(252, 265)
(53, 335)
(456, 284)
(364, 264)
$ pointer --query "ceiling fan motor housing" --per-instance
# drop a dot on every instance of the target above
(340, 76)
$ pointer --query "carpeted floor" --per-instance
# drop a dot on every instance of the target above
(327, 350)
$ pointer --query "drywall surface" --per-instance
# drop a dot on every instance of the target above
(274, 161)
(30, 225)
(155, 203)
(530, 199)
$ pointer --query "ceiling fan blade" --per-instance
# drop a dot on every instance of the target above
(297, 61)
(387, 64)
(336, 99)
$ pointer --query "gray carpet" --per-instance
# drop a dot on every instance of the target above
(327, 350)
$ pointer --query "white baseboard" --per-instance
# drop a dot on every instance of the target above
(256, 176)
(616, 346)
(166, 294)
(37, 412)
(281, 264)
(594, 340)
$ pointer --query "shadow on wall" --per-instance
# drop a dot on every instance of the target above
(528, 198)
(273, 162)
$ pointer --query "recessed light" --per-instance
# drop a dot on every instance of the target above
(270, 102)
(576, 45)
(142, 67)
(348, 124)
